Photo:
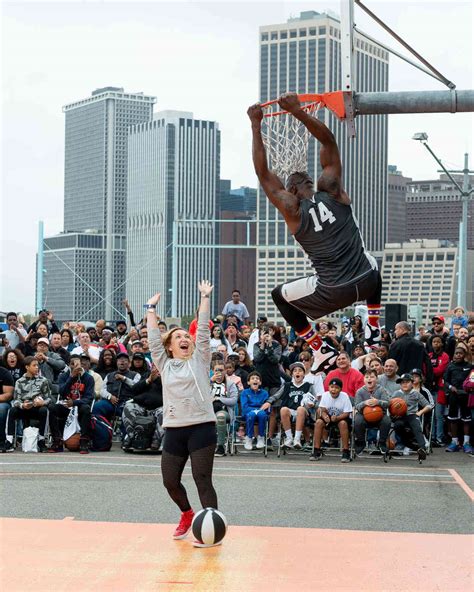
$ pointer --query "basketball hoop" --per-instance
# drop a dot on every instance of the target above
(286, 138)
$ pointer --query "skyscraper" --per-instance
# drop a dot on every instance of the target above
(173, 184)
(304, 55)
(95, 201)
(397, 212)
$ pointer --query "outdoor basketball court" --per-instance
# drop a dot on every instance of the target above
(104, 522)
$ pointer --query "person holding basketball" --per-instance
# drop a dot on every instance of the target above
(188, 413)
(371, 395)
(323, 224)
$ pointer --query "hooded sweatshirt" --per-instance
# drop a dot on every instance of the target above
(186, 394)
(363, 395)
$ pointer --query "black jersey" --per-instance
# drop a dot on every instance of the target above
(293, 395)
(330, 237)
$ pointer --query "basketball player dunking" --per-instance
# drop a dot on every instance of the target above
(323, 223)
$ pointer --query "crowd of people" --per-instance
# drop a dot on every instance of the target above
(262, 373)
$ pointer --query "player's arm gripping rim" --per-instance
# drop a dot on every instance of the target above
(330, 180)
(285, 202)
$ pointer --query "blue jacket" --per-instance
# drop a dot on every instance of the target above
(250, 399)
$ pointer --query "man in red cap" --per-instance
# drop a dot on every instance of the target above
(438, 330)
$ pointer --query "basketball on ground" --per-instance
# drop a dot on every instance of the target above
(373, 414)
(73, 443)
(398, 407)
(209, 526)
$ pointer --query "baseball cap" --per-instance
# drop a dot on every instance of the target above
(262, 318)
(107, 329)
(43, 340)
(438, 318)
(405, 376)
(297, 365)
(136, 342)
(122, 355)
(416, 371)
(138, 356)
(84, 357)
(336, 381)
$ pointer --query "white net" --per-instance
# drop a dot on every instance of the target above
(286, 141)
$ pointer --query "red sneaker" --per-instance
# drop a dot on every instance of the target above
(184, 525)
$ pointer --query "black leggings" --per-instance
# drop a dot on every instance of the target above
(327, 299)
(197, 442)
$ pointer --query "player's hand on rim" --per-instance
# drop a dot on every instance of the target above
(255, 112)
(289, 102)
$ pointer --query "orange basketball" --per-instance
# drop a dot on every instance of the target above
(398, 407)
(73, 443)
(372, 414)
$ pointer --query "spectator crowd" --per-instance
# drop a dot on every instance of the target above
(81, 383)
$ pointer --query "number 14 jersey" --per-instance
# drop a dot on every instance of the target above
(330, 237)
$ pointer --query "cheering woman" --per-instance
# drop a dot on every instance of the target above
(188, 414)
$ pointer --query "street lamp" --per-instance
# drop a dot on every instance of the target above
(465, 196)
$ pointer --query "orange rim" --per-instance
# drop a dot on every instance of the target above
(334, 101)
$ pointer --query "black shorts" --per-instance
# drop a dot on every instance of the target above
(184, 441)
(457, 407)
(317, 300)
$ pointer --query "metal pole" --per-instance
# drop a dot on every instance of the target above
(174, 272)
(40, 267)
(463, 236)
(431, 101)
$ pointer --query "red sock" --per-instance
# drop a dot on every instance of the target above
(311, 337)
(374, 314)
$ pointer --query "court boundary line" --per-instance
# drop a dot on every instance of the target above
(462, 484)
(234, 475)
(239, 469)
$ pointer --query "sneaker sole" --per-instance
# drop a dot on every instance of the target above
(182, 536)
(204, 545)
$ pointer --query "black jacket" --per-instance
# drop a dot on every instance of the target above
(456, 373)
(267, 363)
(149, 396)
(410, 353)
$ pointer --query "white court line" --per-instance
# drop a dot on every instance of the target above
(227, 469)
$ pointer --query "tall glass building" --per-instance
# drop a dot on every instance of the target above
(86, 264)
(173, 185)
(304, 55)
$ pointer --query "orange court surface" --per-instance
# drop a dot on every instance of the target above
(104, 523)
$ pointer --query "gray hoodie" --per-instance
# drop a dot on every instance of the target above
(363, 395)
(186, 394)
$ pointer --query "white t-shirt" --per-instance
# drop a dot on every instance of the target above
(342, 404)
(316, 380)
(94, 351)
(239, 310)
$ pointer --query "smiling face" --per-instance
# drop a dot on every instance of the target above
(463, 334)
(343, 362)
(181, 345)
(370, 380)
(42, 330)
(390, 368)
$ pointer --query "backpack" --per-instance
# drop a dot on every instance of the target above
(101, 432)
(143, 430)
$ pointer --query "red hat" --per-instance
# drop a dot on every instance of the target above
(439, 318)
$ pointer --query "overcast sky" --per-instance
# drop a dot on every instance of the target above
(195, 56)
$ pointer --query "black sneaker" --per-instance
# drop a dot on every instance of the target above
(6, 446)
(372, 336)
(359, 448)
(220, 451)
(324, 358)
(383, 449)
(42, 446)
(346, 456)
(421, 454)
(84, 446)
(269, 445)
(317, 454)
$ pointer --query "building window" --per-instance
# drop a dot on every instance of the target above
(322, 30)
(274, 35)
(264, 36)
(292, 34)
(283, 34)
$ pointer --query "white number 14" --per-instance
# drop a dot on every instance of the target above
(324, 214)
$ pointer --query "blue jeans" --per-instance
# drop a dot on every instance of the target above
(439, 421)
(252, 416)
(4, 408)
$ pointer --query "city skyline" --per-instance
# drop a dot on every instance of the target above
(135, 54)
